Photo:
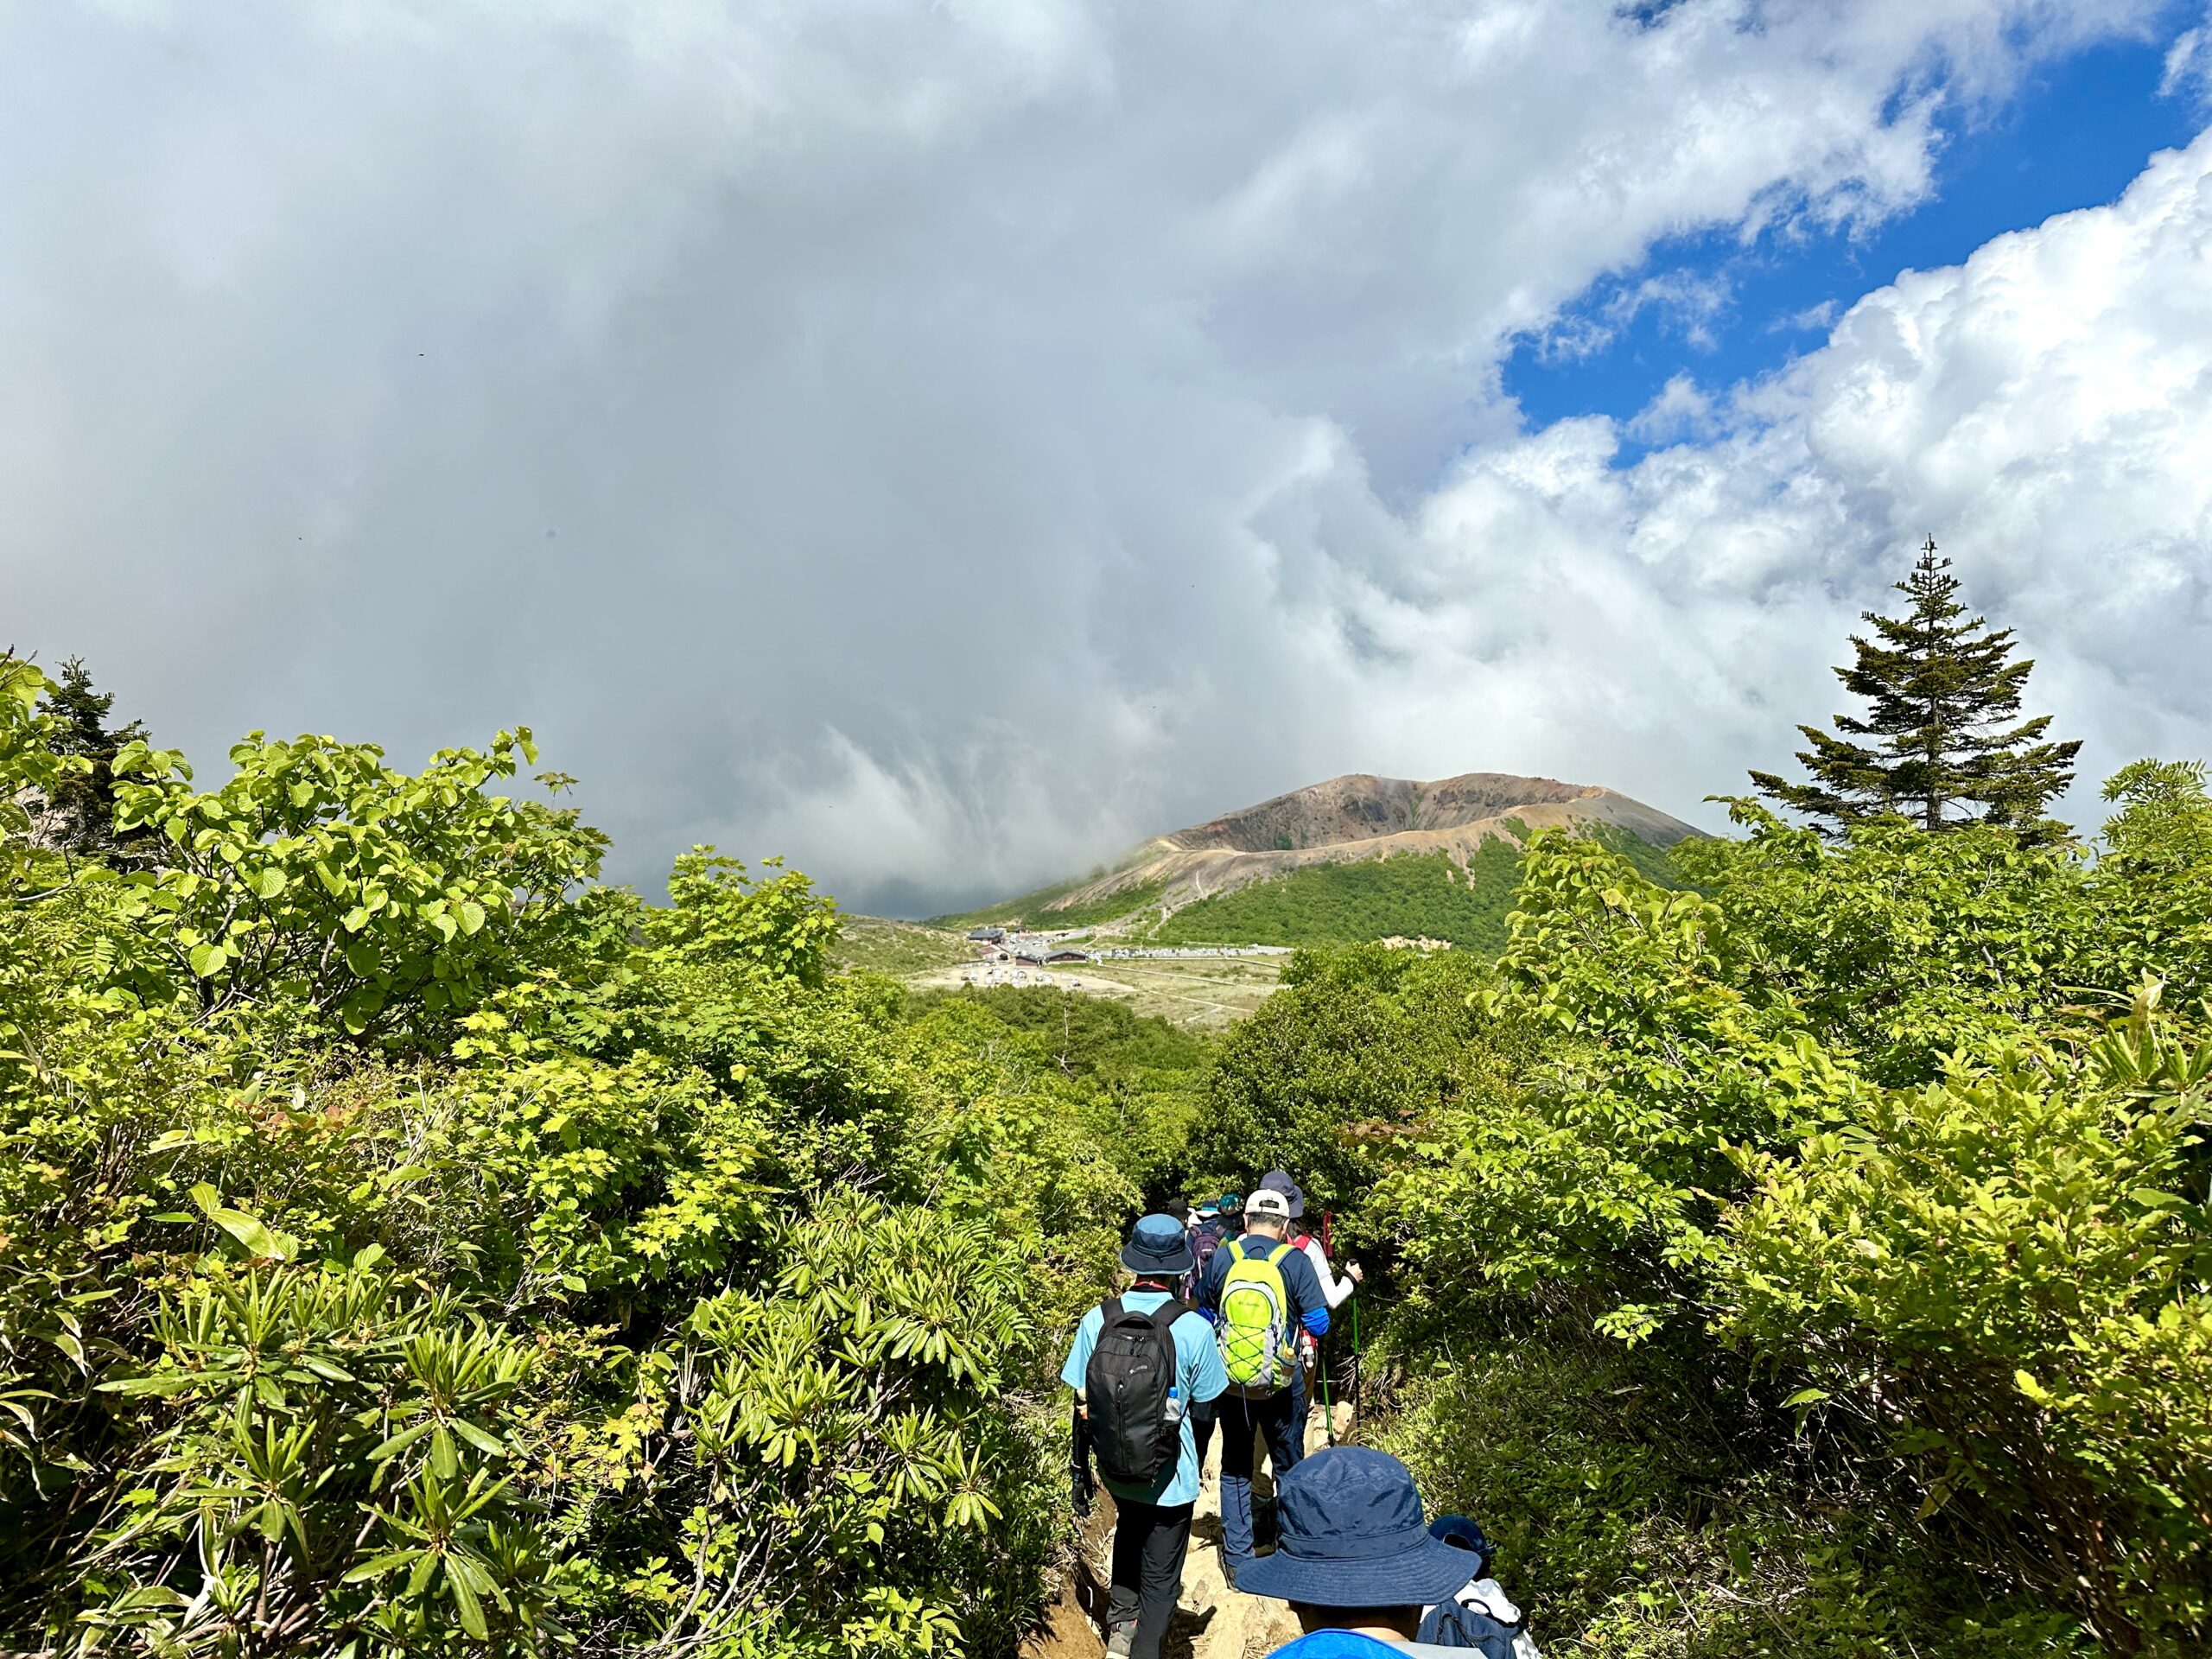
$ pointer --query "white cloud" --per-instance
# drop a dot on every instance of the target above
(943, 443)
(2188, 63)
(2045, 409)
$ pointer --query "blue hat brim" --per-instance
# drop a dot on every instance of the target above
(1158, 1267)
(1419, 1577)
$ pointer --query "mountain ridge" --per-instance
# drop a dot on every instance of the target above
(1354, 816)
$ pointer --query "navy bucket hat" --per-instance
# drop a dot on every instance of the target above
(1352, 1535)
(1158, 1247)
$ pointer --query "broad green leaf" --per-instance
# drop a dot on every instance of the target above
(464, 1599)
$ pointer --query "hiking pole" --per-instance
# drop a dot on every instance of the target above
(1357, 1367)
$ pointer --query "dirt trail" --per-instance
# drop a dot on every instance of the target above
(1212, 1621)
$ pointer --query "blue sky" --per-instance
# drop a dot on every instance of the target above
(2073, 135)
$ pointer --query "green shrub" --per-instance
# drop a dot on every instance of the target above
(411, 1248)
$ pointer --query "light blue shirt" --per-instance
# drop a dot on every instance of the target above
(1198, 1379)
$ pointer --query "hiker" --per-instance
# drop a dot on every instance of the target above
(1202, 1217)
(1259, 1290)
(1335, 1292)
(1355, 1562)
(1139, 1365)
(1205, 1239)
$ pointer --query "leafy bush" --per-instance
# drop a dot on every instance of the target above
(1896, 1134)
(412, 1247)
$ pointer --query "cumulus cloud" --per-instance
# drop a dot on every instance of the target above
(943, 444)
(2045, 410)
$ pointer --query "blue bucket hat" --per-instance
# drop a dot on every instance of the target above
(1352, 1535)
(1158, 1247)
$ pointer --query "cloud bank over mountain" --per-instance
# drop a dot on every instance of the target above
(944, 444)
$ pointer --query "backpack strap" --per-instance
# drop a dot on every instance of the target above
(1163, 1318)
(1275, 1255)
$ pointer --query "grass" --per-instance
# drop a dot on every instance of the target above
(901, 949)
(1411, 895)
(1089, 1036)
(1038, 909)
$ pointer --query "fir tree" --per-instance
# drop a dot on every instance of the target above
(1942, 692)
(80, 807)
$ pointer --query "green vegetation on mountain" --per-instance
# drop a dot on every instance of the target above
(1406, 895)
(1049, 909)
(902, 950)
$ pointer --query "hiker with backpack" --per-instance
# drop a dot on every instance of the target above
(1335, 1292)
(1214, 1216)
(1261, 1292)
(1140, 1364)
(1358, 1568)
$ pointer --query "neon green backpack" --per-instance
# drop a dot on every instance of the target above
(1254, 1333)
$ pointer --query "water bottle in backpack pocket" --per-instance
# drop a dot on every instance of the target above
(1131, 1394)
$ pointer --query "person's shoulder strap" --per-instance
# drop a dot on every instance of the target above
(1237, 1250)
(1163, 1318)
(1110, 1310)
(1275, 1255)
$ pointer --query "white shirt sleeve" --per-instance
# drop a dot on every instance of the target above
(1334, 1291)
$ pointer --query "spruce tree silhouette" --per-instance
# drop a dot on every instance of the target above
(1942, 691)
(82, 802)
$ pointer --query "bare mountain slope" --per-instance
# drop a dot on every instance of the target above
(1351, 818)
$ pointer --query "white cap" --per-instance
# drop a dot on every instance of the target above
(1266, 1201)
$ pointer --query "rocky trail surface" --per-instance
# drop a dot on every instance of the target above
(1212, 1621)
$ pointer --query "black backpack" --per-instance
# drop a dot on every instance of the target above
(1125, 1389)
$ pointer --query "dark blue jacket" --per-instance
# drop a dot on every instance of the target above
(1306, 1306)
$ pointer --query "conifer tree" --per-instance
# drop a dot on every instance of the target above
(1942, 692)
(81, 816)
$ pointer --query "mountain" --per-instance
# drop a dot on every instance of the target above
(1444, 851)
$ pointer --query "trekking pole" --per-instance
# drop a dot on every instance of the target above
(1357, 1367)
(1328, 1411)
